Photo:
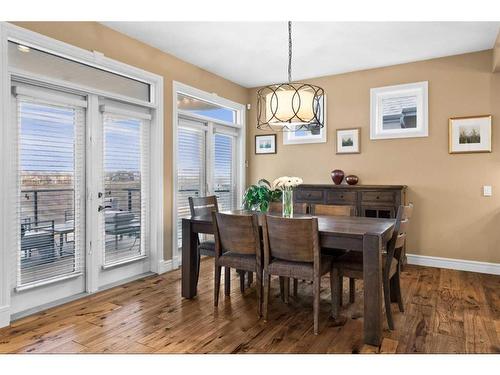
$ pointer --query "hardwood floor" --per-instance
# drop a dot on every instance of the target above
(446, 312)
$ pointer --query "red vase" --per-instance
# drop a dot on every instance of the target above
(352, 179)
(337, 176)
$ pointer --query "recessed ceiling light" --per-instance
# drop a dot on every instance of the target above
(22, 48)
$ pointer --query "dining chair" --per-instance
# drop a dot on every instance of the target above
(351, 265)
(327, 210)
(298, 208)
(334, 210)
(292, 250)
(204, 206)
(237, 245)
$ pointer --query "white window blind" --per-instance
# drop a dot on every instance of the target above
(190, 169)
(126, 186)
(224, 170)
(50, 190)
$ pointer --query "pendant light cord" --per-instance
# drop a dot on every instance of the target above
(289, 51)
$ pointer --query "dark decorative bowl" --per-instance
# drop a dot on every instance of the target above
(337, 176)
(352, 179)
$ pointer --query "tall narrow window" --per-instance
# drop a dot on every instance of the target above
(190, 168)
(125, 164)
(50, 181)
(223, 171)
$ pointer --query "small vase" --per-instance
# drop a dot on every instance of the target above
(287, 205)
(352, 179)
(337, 176)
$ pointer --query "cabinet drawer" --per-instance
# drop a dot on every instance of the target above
(374, 196)
(309, 195)
(341, 197)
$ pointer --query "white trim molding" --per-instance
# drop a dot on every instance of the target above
(454, 264)
(4, 316)
(167, 266)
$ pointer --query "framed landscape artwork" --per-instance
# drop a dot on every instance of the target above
(265, 144)
(348, 141)
(304, 136)
(470, 134)
(399, 111)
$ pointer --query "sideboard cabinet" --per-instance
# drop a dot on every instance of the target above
(369, 200)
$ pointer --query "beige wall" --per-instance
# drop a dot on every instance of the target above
(94, 36)
(451, 218)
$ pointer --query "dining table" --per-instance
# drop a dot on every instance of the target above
(362, 234)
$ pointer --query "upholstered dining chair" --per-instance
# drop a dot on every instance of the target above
(291, 250)
(327, 210)
(351, 265)
(204, 206)
(237, 245)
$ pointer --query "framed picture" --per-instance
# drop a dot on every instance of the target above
(265, 144)
(399, 111)
(303, 136)
(470, 134)
(348, 141)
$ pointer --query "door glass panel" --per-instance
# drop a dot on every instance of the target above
(123, 188)
(223, 171)
(50, 152)
(190, 170)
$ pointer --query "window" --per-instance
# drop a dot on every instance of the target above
(191, 105)
(209, 152)
(50, 191)
(125, 165)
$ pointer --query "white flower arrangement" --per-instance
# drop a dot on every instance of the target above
(287, 182)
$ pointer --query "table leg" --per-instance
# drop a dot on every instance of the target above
(372, 281)
(189, 260)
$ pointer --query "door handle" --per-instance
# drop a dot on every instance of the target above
(100, 208)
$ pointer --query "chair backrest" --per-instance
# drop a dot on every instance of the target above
(291, 239)
(334, 210)
(400, 232)
(202, 206)
(238, 234)
(298, 208)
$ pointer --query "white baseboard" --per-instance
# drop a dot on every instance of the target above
(4, 316)
(168, 265)
(454, 264)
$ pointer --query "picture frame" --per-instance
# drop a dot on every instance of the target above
(348, 141)
(306, 137)
(470, 134)
(399, 111)
(265, 144)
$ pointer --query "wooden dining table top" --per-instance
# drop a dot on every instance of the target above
(352, 226)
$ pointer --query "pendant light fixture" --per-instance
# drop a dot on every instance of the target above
(290, 106)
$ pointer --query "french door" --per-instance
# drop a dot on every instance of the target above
(207, 164)
(82, 194)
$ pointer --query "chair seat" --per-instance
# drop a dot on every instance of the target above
(239, 261)
(353, 261)
(300, 270)
(207, 248)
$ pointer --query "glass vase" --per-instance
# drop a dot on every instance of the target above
(287, 205)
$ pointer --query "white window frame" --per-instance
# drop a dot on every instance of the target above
(9, 32)
(181, 88)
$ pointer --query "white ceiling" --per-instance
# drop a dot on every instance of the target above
(255, 53)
